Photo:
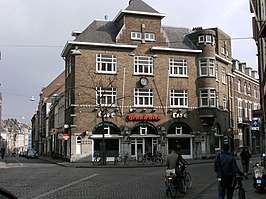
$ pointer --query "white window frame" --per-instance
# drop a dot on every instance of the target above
(106, 63)
(249, 89)
(143, 130)
(225, 102)
(149, 36)
(201, 39)
(207, 66)
(177, 97)
(178, 67)
(224, 75)
(239, 86)
(245, 88)
(208, 38)
(255, 92)
(143, 97)
(136, 35)
(106, 96)
(178, 130)
(240, 109)
(143, 65)
(216, 72)
(208, 97)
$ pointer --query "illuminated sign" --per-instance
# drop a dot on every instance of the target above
(179, 115)
(144, 117)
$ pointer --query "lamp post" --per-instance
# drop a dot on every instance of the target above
(68, 128)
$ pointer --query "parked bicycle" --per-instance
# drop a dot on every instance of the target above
(239, 186)
(122, 160)
(187, 177)
(98, 160)
(156, 159)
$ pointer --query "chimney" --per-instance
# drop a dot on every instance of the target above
(130, 1)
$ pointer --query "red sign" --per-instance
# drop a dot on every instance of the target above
(144, 117)
(65, 136)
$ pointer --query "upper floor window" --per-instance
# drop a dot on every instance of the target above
(208, 38)
(225, 102)
(208, 98)
(68, 66)
(255, 92)
(178, 67)
(106, 63)
(143, 97)
(106, 96)
(239, 86)
(149, 36)
(178, 98)
(223, 75)
(201, 39)
(245, 88)
(240, 109)
(143, 65)
(216, 72)
(136, 35)
(207, 67)
(249, 89)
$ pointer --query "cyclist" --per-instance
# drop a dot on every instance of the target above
(174, 161)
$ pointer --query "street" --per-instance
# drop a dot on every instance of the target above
(35, 178)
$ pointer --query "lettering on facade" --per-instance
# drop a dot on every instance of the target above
(179, 115)
(144, 117)
(106, 115)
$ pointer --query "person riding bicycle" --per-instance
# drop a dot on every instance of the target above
(176, 161)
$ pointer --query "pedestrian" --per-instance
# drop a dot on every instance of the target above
(3, 151)
(173, 161)
(226, 168)
(245, 159)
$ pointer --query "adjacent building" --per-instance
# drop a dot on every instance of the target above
(258, 8)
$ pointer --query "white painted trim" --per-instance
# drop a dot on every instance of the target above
(175, 49)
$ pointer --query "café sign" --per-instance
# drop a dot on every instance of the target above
(131, 117)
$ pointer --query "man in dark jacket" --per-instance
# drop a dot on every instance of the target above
(245, 159)
(226, 168)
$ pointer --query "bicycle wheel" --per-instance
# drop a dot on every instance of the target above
(188, 180)
(95, 160)
(157, 161)
(241, 193)
(127, 161)
(120, 160)
(183, 185)
(147, 161)
(172, 190)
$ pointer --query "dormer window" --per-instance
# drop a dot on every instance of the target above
(149, 37)
(201, 39)
(208, 38)
(136, 35)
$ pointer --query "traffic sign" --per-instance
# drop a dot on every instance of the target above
(255, 125)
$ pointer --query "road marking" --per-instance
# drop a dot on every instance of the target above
(21, 164)
(63, 187)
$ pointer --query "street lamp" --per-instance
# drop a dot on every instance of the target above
(68, 128)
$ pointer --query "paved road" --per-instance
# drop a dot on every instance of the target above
(41, 179)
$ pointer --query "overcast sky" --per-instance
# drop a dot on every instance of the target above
(34, 32)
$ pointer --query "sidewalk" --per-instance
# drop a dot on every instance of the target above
(2, 163)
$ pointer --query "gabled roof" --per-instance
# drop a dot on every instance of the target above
(99, 32)
(140, 6)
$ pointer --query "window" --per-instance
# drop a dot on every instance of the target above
(106, 63)
(223, 75)
(143, 130)
(255, 92)
(207, 66)
(105, 96)
(143, 97)
(208, 38)
(216, 72)
(245, 88)
(208, 98)
(178, 130)
(225, 102)
(68, 66)
(201, 39)
(178, 98)
(239, 86)
(222, 50)
(149, 36)
(178, 67)
(143, 65)
(136, 35)
(240, 110)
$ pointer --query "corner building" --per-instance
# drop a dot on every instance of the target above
(138, 86)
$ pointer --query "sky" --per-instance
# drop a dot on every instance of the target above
(33, 34)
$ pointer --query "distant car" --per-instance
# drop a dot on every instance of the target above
(31, 153)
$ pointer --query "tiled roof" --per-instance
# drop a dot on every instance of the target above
(99, 32)
(106, 32)
(138, 5)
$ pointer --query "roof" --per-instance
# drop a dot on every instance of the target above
(140, 6)
(99, 32)
(106, 32)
